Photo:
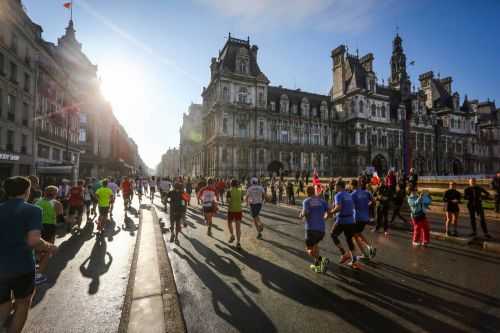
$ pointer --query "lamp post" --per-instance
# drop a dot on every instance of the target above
(436, 126)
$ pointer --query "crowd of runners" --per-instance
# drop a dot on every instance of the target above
(30, 215)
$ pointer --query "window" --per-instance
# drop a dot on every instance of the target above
(294, 108)
(383, 111)
(83, 118)
(242, 95)
(24, 144)
(261, 156)
(243, 66)
(27, 82)
(353, 106)
(11, 107)
(225, 94)
(272, 105)
(56, 154)
(243, 128)
(13, 72)
(83, 135)
(224, 125)
(10, 141)
(304, 106)
(284, 104)
(1, 102)
(261, 98)
(224, 154)
(374, 110)
(261, 128)
(362, 137)
(284, 136)
(26, 111)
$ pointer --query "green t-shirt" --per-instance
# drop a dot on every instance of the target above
(104, 194)
(235, 198)
(48, 211)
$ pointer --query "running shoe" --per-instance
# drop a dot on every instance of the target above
(415, 243)
(176, 241)
(324, 264)
(259, 235)
(373, 252)
(344, 258)
(40, 279)
(386, 233)
(209, 232)
(488, 236)
(354, 265)
(172, 238)
(231, 239)
(315, 269)
(238, 246)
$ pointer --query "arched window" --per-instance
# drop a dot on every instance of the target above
(243, 66)
(353, 106)
(361, 107)
(242, 95)
(374, 110)
(304, 107)
(383, 111)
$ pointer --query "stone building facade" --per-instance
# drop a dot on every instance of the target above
(252, 128)
(191, 143)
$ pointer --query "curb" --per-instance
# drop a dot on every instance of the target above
(491, 247)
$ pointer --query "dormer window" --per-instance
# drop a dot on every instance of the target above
(304, 107)
(243, 65)
(284, 104)
(243, 95)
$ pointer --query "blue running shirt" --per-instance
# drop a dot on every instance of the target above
(361, 199)
(315, 209)
(345, 216)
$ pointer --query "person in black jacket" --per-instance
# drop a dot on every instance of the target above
(495, 185)
(383, 200)
(452, 199)
(474, 195)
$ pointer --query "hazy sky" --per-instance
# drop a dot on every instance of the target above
(154, 55)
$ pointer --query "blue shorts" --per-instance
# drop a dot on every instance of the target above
(255, 209)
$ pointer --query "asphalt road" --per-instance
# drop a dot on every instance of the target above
(87, 279)
(268, 287)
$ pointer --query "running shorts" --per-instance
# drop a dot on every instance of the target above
(359, 226)
(208, 209)
(21, 285)
(75, 209)
(49, 232)
(313, 237)
(234, 216)
(103, 210)
(255, 209)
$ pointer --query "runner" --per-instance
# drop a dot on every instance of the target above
(221, 188)
(208, 197)
(178, 203)
(383, 197)
(362, 200)
(189, 189)
(152, 188)
(139, 188)
(164, 188)
(21, 229)
(314, 210)
(95, 186)
(126, 187)
(104, 195)
(114, 188)
(235, 211)
(87, 199)
(344, 223)
(255, 198)
(452, 199)
(52, 213)
(76, 203)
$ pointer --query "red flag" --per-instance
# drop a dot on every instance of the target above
(67, 5)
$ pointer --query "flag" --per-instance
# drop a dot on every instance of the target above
(67, 5)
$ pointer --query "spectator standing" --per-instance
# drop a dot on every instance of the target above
(474, 195)
(452, 199)
(495, 185)
(418, 203)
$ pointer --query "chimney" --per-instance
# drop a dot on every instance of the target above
(367, 62)
(254, 51)
(446, 82)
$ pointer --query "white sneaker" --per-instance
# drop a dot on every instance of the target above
(416, 244)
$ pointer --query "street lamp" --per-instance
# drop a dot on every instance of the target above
(436, 123)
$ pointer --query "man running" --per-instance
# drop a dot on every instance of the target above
(362, 200)
(314, 209)
(164, 187)
(114, 188)
(126, 187)
(178, 203)
(221, 188)
(452, 200)
(344, 223)
(104, 196)
(235, 211)
(152, 188)
(255, 198)
(21, 235)
(208, 198)
(76, 203)
(52, 213)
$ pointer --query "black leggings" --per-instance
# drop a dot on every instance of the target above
(348, 230)
(477, 210)
(382, 217)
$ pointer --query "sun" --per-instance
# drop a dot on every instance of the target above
(122, 85)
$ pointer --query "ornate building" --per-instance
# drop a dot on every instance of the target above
(191, 143)
(251, 127)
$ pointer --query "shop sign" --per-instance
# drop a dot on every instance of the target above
(9, 157)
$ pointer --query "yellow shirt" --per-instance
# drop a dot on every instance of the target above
(104, 195)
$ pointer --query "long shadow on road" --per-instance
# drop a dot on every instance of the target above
(284, 282)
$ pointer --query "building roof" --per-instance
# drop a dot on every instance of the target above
(296, 96)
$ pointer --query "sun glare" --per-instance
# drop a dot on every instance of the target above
(122, 85)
